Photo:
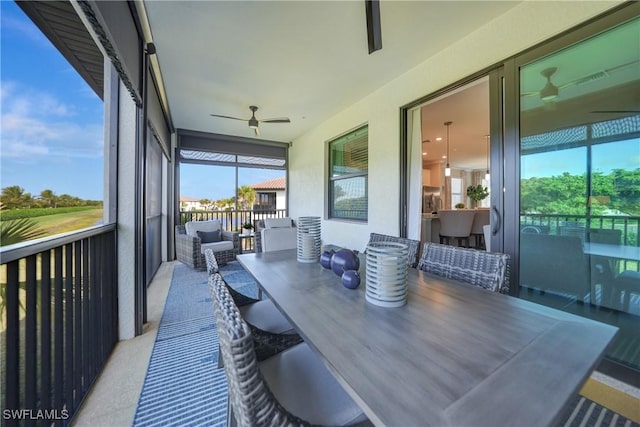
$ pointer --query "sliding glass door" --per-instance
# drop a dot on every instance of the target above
(579, 182)
(563, 122)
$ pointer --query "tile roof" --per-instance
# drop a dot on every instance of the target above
(272, 184)
(188, 199)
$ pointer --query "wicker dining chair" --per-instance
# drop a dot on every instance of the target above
(489, 270)
(271, 330)
(293, 388)
(212, 267)
(414, 245)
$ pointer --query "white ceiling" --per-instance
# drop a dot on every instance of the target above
(468, 110)
(306, 60)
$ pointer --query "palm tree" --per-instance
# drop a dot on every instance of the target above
(205, 203)
(19, 230)
(246, 196)
(48, 198)
(14, 197)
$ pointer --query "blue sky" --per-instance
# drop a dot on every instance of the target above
(215, 183)
(605, 157)
(51, 133)
(52, 122)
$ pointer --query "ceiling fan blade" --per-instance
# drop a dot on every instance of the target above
(228, 117)
(276, 120)
(598, 75)
(374, 29)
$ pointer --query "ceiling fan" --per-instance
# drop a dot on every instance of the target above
(253, 122)
(551, 91)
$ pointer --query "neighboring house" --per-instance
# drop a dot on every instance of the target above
(270, 194)
(189, 204)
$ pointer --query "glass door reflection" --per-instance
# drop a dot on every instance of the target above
(580, 183)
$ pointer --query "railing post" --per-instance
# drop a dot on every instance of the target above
(31, 339)
(12, 345)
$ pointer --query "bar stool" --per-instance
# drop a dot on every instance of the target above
(456, 224)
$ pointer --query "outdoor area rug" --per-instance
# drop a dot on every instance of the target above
(183, 385)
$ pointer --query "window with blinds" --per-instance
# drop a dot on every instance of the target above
(348, 175)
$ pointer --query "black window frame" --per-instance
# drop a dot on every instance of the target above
(332, 180)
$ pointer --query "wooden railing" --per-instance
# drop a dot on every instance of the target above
(59, 323)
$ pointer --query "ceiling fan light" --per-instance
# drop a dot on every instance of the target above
(549, 92)
(447, 170)
(253, 123)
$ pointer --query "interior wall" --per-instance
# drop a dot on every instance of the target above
(520, 28)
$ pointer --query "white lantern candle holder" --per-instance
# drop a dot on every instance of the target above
(386, 271)
(308, 243)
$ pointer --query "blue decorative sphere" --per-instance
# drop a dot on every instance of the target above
(351, 279)
(325, 258)
(344, 260)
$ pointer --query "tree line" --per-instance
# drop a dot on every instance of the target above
(617, 193)
(15, 197)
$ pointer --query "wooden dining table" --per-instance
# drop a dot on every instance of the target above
(454, 355)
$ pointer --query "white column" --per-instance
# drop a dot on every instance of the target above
(126, 214)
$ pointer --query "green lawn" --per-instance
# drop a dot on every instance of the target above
(65, 222)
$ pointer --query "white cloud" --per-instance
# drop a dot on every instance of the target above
(23, 28)
(35, 123)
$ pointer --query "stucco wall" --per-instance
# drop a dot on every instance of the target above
(126, 215)
(523, 26)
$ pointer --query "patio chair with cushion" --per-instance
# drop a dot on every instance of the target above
(195, 236)
(489, 270)
(291, 388)
(274, 234)
(414, 245)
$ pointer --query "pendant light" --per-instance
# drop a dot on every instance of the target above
(447, 170)
(487, 175)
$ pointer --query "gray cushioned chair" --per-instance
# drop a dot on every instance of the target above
(489, 270)
(271, 330)
(291, 388)
(456, 224)
(480, 219)
(189, 249)
(414, 245)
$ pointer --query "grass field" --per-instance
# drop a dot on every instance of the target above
(58, 224)
(65, 222)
